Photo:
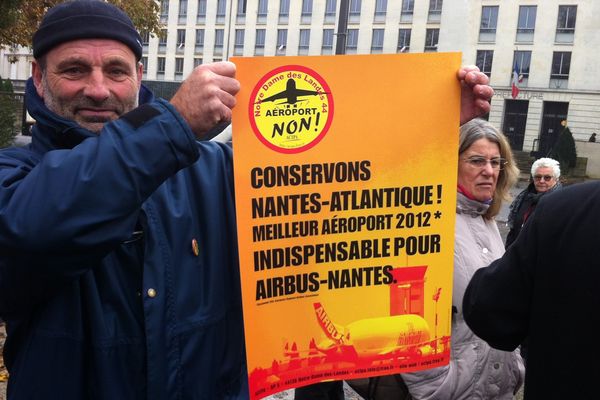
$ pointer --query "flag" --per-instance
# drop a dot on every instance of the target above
(516, 79)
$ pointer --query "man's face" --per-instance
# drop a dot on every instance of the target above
(90, 81)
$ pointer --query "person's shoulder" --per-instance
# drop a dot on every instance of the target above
(590, 187)
(17, 154)
(574, 197)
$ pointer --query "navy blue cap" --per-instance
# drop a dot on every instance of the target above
(85, 19)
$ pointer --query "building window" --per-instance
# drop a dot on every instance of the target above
(197, 61)
(201, 14)
(521, 64)
(380, 10)
(377, 41)
(354, 11)
(179, 68)
(238, 49)
(182, 17)
(221, 11)
(565, 26)
(263, 10)
(307, 6)
(145, 40)
(162, 41)
(403, 40)
(240, 17)
(164, 11)
(241, 7)
(406, 13)
(259, 43)
(330, 6)
(160, 66)
(144, 61)
(352, 41)
(484, 61)
(435, 11)
(561, 64)
(526, 23)
(489, 22)
(284, 11)
(327, 46)
(199, 40)
(431, 39)
(304, 42)
(281, 41)
(219, 36)
(180, 40)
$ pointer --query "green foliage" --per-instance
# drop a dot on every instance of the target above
(6, 85)
(19, 19)
(7, 113)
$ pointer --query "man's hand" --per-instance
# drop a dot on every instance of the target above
(475, 93)
(207, 96)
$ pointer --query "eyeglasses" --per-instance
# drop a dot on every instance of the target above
(546, 178)
(481, 162)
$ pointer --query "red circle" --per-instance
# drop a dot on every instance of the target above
(268, 75)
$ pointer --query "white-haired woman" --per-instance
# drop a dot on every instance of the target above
(544, 175)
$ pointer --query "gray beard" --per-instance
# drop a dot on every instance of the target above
(68, 110)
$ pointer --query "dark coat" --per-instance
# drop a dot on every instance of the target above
(522, 208)
(94, 310)
(564, 150)
(545, 287)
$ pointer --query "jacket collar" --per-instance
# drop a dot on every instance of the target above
(474, 208)
(51, 131)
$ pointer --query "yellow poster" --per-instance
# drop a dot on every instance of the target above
(345, 177)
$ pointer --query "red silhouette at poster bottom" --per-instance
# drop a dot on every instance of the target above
(400, 342)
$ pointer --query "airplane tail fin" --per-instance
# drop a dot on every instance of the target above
(328, 327)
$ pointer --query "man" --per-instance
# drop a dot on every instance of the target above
(119, 275)
(545, 287)
(564, 150)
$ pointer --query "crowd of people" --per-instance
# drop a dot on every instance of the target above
(119, 275)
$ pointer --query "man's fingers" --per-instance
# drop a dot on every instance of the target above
(463, 71)
(227, 99)
(229, 85)
(224, 68)
(476, 78)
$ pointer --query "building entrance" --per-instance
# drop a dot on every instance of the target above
(515, 120)
(553, 113)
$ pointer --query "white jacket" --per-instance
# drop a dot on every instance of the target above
(475, 371)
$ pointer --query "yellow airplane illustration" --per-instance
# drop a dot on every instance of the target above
(290, 94)
(398, 335)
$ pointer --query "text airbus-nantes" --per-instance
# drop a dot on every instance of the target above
(303, 283)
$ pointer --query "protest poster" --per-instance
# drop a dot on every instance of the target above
(345, 175)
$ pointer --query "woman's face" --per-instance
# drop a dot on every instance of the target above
(478, 169)
(544, 179)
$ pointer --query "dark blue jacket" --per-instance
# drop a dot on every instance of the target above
(101, 289)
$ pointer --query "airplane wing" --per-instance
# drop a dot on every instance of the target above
(302, 92)
(277, 96)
